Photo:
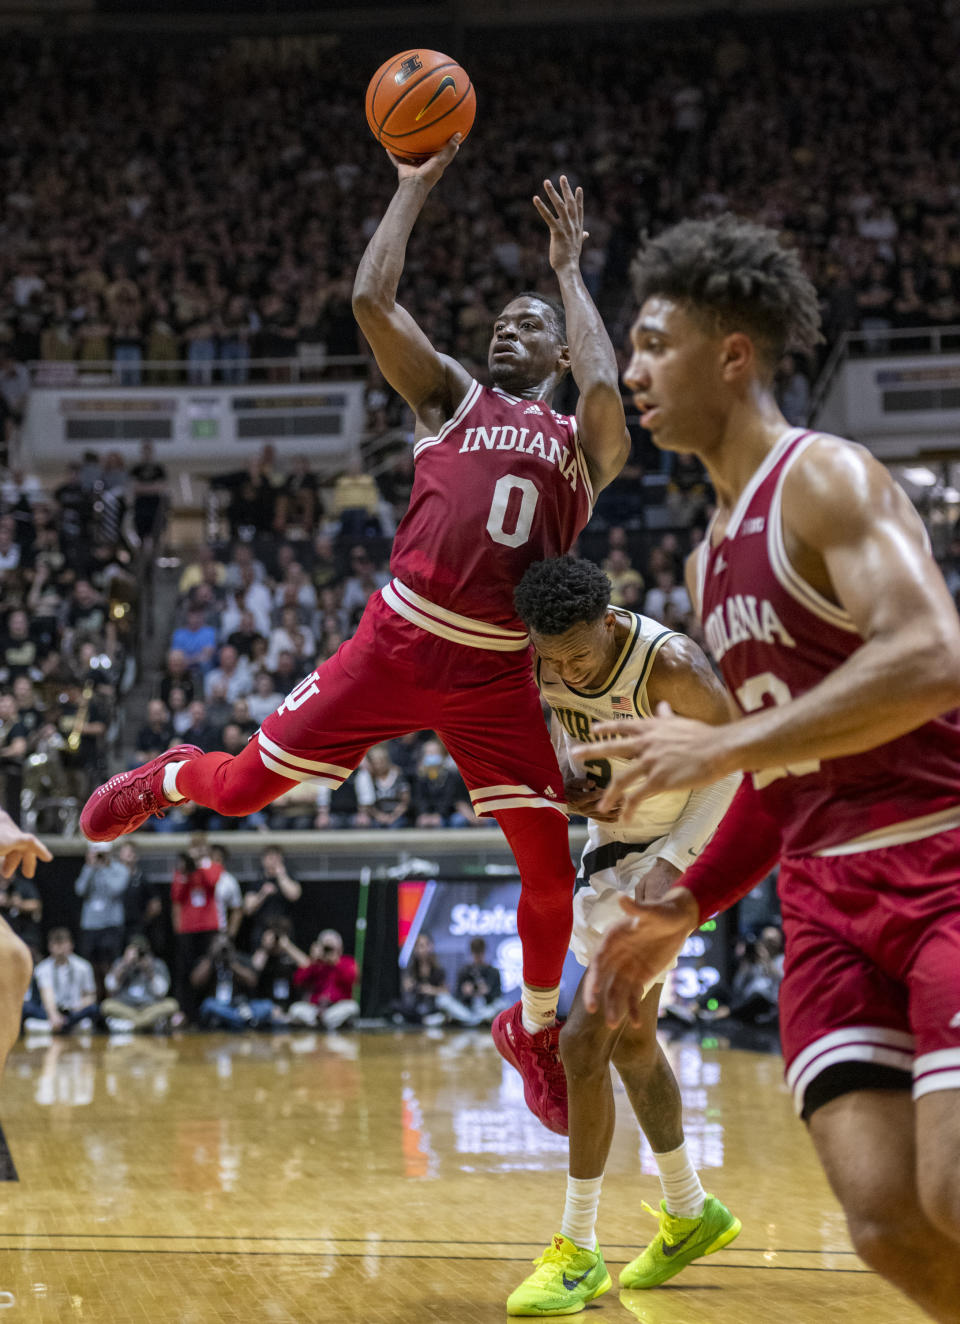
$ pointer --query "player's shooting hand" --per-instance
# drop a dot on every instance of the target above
(429, 171)
(565, 222)
(632, 954)
(665, 753)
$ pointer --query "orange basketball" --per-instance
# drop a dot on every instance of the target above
(417, 100)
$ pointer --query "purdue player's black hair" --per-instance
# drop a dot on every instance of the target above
(735, 275)
(564, 591)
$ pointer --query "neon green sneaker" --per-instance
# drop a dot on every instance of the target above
(679, 1242)
(565, 1279)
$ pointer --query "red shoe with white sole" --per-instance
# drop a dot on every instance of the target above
(537, 1058)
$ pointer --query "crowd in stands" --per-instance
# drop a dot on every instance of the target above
(206, 202)
(204, 951)
(68, 616)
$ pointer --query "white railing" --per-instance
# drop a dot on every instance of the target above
(879, 343)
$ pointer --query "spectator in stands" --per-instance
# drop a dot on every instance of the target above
(364, 580)
(478, 984)
(14, 744)
(233, 672)
(222, 981)
(201, 569)
(275, 967)
(144, 913)
(149, 494)
(666, 594)
(180, 719)
(324, 569)
(295, 810)
(196, 640)
(155, 734)
(195, 918)
(291, 637)
(66, 986)
(101, 884)
(622, 575)
(424, 996)
(439, 797)
(138, 985)
(355, 504)
(239, 627)
(228, 895)
(265, 698)
(300, 498)
(348, 805)
(273, 896)
(177, 673)
(201, 732)
(323, 982)
(390, 794)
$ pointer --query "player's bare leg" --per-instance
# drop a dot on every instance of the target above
(16, 970)
(866, 1142)
(938, 1159)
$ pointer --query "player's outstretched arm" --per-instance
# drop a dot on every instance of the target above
(432, 384)
(600, 418)
(853, 535)
(742, 851)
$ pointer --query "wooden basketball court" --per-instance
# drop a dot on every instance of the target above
(388, 1178)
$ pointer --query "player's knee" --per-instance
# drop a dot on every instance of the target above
(635, 1051)
(585, 1048)
(940, 1201)
(877, 1241)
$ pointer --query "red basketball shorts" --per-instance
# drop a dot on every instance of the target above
(393, 677)
(871, 990)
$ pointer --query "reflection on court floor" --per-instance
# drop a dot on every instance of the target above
(385, 1178)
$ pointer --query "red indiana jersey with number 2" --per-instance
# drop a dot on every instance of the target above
(504, 483)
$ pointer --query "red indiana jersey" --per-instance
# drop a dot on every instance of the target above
(504, 483)
(775, 637)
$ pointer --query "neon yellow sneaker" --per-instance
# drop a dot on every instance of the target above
(566, 1277)
(679, 1242)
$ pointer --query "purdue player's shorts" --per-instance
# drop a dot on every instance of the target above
(612, 869)
(871, 989)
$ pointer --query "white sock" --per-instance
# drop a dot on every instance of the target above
(682, 1191)
(580, 1211)
(539, 1007)
(170, 781)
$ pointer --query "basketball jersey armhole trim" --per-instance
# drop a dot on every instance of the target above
(703, 558)
(762, 472)
(787, 576)
(582, 463)
(474, 391)
(640, 703)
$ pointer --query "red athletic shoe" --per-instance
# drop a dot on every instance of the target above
(537, 1058)
(127, 800)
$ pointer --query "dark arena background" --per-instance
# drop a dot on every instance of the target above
(201, 473)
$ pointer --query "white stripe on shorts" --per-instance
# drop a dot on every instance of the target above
(936, 1071)
(854, 1043)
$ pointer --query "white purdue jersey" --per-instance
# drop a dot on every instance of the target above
(623, 694)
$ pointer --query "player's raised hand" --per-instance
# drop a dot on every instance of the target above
(634, 953)
(429, 171)
(564, 218)
(665, 752)
(19, 849)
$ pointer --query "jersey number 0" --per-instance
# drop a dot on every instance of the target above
(529, 496)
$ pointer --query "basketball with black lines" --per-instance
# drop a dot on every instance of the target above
(417, 100)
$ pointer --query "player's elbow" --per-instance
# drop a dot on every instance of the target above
(369, 304)
(940, 665)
